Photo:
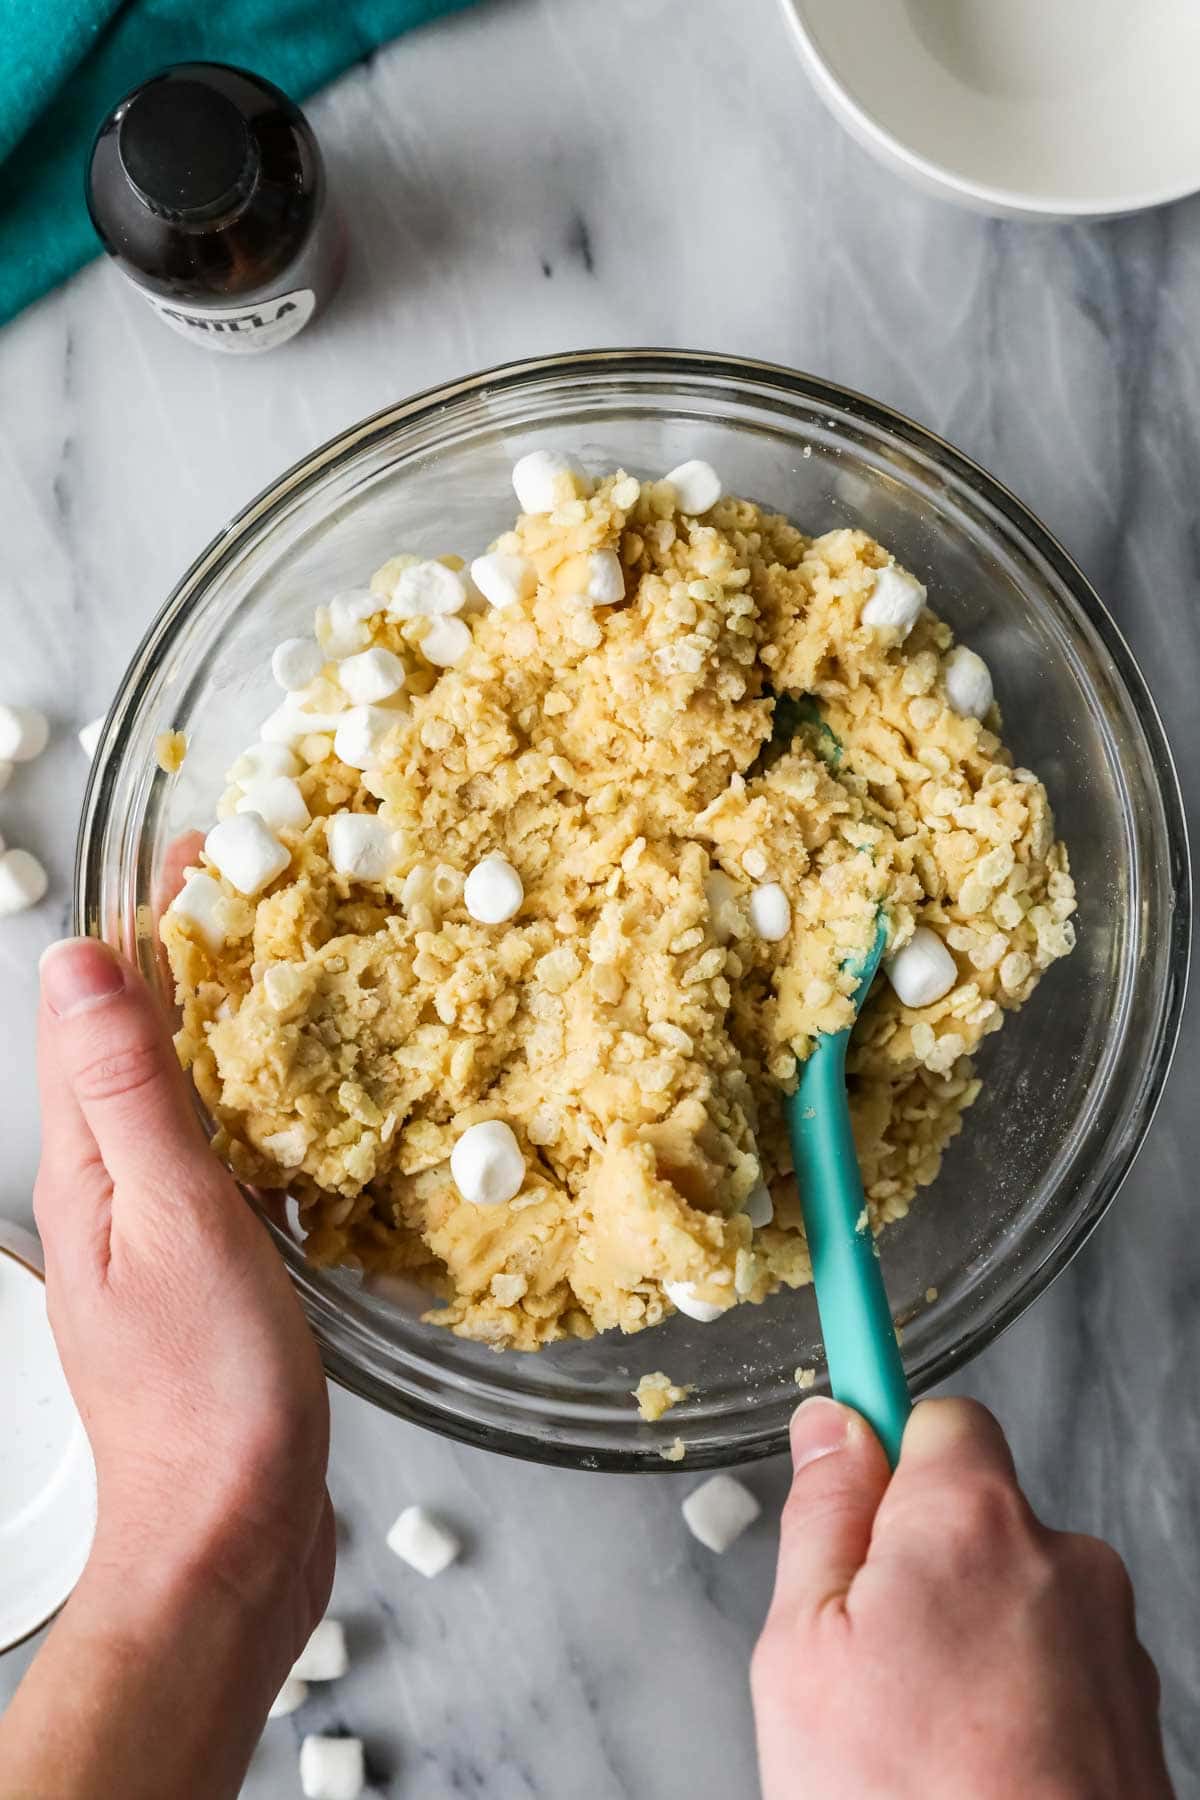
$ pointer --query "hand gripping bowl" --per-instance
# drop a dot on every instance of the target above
(1070, 1083)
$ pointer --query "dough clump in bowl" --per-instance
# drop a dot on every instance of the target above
(628, 1022)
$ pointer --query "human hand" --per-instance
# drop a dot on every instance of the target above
(929, 1637)
(194, 1371)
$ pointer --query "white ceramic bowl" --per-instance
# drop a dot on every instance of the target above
(1035, 109)
(47, 1480)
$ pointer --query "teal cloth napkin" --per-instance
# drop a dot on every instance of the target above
(65, 63)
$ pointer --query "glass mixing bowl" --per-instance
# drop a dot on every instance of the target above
(1070, 1083)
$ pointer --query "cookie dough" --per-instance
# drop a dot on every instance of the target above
(608, 732)
(656, 1394)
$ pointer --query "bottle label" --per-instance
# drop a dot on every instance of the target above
(241, 330)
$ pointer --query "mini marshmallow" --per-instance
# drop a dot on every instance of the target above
(360, 845)
(423, 1542)
(348, 614)
(23, 882)
(503, 580)
(290, 722)
(6, 770)
(199, 901)
(89, 737)
(605, 579)
(896, 600)
(247, 854)
(493, 891)
(264, 759)
(360, 735)
(297, 662)
(332, 1768)
(697, 487)
(371, 675)
(718, 1511)
(545, 479)
(923, 971)
(683, 1297)
(968, 682)
(425, 589)
(287, 1147)
(24, 733)
(324, 1656)
(487, 1165)
(759, 1207)
(446, 642)
(291, 1695)
(770, 912)
(278, 801)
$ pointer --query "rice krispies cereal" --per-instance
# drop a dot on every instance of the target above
(628, 1023)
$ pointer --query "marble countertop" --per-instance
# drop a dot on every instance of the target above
(536, 175)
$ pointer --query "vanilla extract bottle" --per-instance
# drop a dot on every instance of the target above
(207, 188)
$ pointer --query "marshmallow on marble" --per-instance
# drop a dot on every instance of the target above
(360, 734)
(770, 912)
(291, 1695)
(493, 891)
(684, 1298)
(24, 733)
(968, 682)
(503, 579)
(545, 479)
(346, 629)
(246, 852)
(486, 1164)
(372, 675)
(324, 1657)
(297, 662)
(426, 589)
(445, 641)
(759, 1207)
(895, 601)
(923, 971)
(605, 579)
(332, 1768)
(201, 902)
(360, 845)
(697, 486)
(278, 802)
(89, 737)
(423, 1542)
(718, 1511)
(261, 760)
(23, 882)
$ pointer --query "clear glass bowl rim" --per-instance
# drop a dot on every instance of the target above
(666, 365)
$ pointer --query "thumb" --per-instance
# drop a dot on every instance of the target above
(841, 1474)
(114, 1056)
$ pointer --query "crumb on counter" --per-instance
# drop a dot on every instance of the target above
(806, 1378)
(170, 748)
(674, 1452)
(931, 1295)
(656, 1394)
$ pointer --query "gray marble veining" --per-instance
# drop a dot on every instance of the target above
(536, 175)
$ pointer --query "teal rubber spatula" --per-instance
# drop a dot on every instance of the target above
(865, 1369)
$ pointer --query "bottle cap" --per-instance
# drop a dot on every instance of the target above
(186, 150)
(47, 1479)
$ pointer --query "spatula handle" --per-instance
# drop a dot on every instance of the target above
(865, 1367)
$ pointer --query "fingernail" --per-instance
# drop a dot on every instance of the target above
(78, 973)
(819, 1427)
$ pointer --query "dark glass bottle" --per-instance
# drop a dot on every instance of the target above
(207, 188)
